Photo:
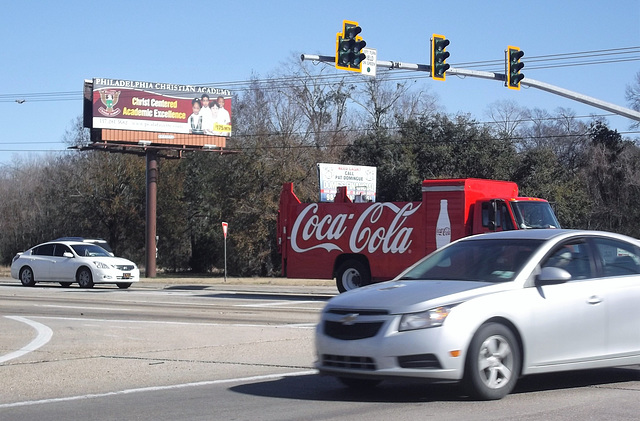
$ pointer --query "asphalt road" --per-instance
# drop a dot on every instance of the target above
(236, 351)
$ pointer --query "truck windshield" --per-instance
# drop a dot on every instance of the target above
(533, 214)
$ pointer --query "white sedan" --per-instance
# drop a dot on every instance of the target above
(488, 309)
(67, 262)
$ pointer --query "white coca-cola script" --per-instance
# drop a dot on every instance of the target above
(311, 231)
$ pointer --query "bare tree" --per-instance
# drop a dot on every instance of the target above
(384, 101)
(507, 116)
(632, 95)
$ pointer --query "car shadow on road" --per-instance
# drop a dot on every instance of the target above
(321, 388)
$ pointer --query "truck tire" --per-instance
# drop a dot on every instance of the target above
(352, 274)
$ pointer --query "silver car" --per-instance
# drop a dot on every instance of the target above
(488, 309)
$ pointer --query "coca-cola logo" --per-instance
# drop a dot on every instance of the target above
(371, 231)
(445, 231)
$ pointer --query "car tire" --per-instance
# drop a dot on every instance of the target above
(123, 285)
(352, 274)
(359, 384)
(493, 363)
(65, 284)
(26, 277)
(84, 278)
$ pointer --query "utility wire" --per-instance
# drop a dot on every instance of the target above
(582, 58)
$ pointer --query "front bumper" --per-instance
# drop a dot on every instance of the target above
(110, 276)
(374, 348)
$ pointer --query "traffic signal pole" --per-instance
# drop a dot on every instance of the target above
(575, 96)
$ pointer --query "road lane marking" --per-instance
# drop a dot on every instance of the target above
(160, 388)
(277, 303)
(83, 308)
(44, 334)
(85, 319)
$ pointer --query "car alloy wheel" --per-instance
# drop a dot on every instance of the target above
(26, 277)
(493, 362)
(85, 279)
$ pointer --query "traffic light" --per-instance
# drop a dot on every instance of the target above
(349, 45)
(513, 66)
(438, 56)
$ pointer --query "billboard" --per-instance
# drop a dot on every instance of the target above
(359, 180)
(160, 107)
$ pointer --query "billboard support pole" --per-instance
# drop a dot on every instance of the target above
(152, 189)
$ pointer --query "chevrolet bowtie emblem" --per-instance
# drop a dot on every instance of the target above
(349, 319)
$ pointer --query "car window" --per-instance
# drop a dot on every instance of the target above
(90, 250)
(60, 250)
(44, 250)
(502, 218)
(618, 257)
(574, 257)
(478, 260)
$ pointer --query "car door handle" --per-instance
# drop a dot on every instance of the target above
(594, 300)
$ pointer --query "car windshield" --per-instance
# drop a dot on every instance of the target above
(90, 250)
(485, 260)
(534, 215)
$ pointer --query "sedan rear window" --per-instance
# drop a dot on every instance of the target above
(44, 250)
(477, 260)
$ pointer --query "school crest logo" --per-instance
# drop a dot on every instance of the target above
(109, 98)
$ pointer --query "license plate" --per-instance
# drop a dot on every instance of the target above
(126, 275)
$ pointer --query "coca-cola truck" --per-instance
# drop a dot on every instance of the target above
(360, 243)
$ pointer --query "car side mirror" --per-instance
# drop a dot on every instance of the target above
(552, 275)
(67, 254)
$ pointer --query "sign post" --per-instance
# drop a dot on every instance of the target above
(224, 232)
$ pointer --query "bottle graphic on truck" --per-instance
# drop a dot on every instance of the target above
(443, 226)
(361, 243)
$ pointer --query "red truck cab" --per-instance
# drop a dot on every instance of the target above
(360, 243)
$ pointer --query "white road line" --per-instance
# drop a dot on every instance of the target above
(277, 303)
(83, 308)
(112, 321)
(159, 388)
(44, 336)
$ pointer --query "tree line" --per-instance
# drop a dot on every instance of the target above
(284, 126)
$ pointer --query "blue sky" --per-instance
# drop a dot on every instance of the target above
(51, 47)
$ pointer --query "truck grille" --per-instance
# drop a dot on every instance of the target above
(346, 361)
(352, 332)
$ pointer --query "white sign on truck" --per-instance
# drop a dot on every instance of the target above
(359, 180)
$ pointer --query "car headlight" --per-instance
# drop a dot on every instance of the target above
(101, 265)
(425, 319)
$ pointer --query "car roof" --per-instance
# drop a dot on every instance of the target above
(548, 234)
(80, 239)
(67, 243)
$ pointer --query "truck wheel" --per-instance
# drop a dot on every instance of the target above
(352, 274)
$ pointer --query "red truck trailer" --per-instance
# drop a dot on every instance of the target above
(361, 243)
